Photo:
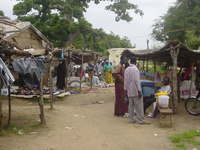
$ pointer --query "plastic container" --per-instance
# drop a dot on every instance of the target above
(4, 91)
(163, 101)
(161, 93)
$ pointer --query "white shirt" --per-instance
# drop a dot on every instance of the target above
(165, 88)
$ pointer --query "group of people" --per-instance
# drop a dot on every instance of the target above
(127, 84)
(104, 70)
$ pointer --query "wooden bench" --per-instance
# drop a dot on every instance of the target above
(166, 116)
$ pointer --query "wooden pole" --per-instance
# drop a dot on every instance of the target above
(51, 83)
(1, 105)
(143, 65)
(41, 104)
(9, 107)
(147, 65)
(1, 111)
(155, 74)
(1, 116)
(81, 71)
(67, 69)
(178, 85)
(174, 55)
(192, 80)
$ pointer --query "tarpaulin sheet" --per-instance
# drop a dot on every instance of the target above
(31, 69)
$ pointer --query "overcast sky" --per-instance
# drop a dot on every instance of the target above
(138, 31)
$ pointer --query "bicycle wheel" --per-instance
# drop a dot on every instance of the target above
(192, 106)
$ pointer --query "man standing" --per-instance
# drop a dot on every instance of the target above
(134, 92)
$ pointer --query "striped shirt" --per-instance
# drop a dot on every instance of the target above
(132, 81)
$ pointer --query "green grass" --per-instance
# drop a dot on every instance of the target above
(190, 137)
(36, 99)
(21, 129)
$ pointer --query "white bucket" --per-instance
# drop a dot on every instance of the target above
(163, 101)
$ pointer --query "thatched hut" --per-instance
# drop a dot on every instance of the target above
(174, 54)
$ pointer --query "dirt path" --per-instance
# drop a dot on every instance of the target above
(78, 123)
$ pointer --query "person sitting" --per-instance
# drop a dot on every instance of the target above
(167, 88)
(95, 80)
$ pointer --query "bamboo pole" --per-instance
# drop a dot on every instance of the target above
(174, 55)
(41, 104)
(192, 80)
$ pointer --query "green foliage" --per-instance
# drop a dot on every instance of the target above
(182, 16)
(100, 41)
(189, 137)
(1, 13)
(192, 40)
(58, 20)
(121, 9)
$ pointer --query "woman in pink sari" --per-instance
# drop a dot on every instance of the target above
(120, 107)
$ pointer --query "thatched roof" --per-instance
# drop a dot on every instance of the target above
(76, 55)
(186, 56)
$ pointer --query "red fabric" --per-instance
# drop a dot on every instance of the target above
(120, 107)
(81, 72)
(187, 73)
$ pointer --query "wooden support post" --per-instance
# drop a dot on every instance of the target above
(67, 69)
(41, 104)
(1, 115)
(147, 66)
(192, 80)
(1, 110)
(178, 85)
(9, 107)
(143, 65)
(155, 73)
(80, 72)
(174, 55)
(51, 83)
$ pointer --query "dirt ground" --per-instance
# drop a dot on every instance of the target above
(79, 123)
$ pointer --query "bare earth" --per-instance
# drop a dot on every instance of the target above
(79, 123)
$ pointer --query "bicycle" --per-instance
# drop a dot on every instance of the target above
(192, 105)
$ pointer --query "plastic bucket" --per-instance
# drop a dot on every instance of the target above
(163, 101)
(161, 93)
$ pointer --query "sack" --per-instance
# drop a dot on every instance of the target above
(126, 101)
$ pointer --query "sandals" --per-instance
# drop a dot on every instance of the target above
(145, 123)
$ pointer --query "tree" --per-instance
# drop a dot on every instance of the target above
(62, 21)
(1, 13)
(180, 18)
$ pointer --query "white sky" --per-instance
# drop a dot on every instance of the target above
(138, 31)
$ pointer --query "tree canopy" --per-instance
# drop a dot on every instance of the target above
(1, 13)
(181, 23)
(63, 22)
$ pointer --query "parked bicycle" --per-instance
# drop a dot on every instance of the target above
(192, 105)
